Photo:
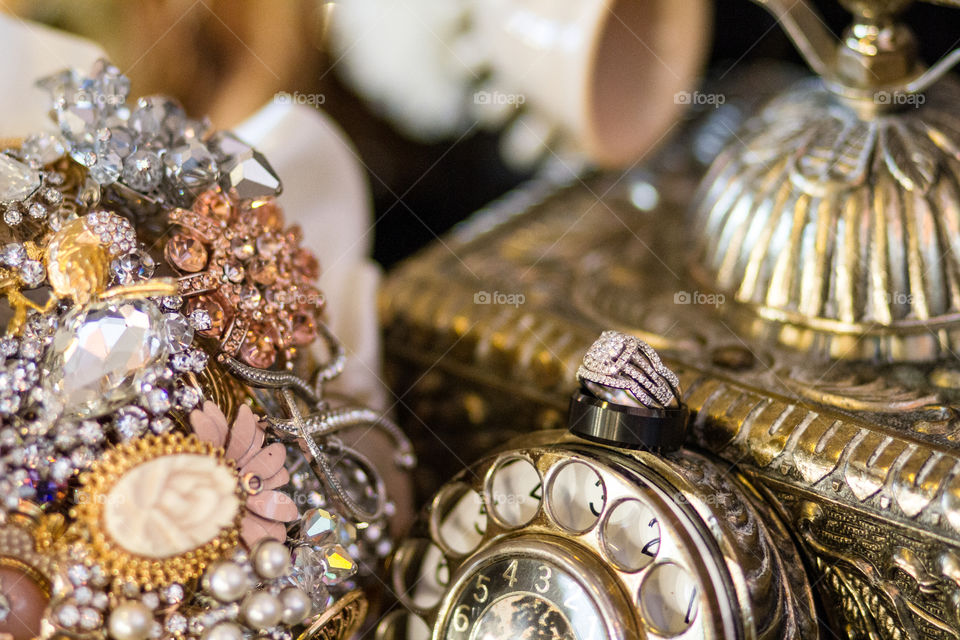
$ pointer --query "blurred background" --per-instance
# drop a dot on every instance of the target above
(227, 58)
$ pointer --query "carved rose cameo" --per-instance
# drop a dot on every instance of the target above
(160, 509)
(171, 505)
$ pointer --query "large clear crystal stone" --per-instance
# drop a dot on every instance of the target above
(143, 170)
(336, 564)
(178, 334)
(79, 119)
(244, 168)
(61, 85)
(108, 156)
(17, 180)
(43, 148)
(307, 574)
(107, 167)
(191, 164)
(318, 526)
(100, 352)
(120, 141)
(191, 129)
(154, 114)
(110, 84)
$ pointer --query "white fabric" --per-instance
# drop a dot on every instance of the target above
(29, 52)
(325, 188)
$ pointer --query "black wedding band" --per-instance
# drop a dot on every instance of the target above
(630, 427)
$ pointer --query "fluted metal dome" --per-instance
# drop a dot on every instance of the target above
(838, 231)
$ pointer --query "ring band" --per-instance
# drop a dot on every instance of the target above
(630, 427)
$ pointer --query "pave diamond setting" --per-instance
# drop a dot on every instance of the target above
(626, 370)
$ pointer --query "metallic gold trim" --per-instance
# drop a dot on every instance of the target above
(341, 621)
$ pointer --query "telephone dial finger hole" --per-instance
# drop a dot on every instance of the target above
(576, 497)
(459, 519)
(516, 491)
(420, 573)
(631, 535)
(669, 599)
(401, 625)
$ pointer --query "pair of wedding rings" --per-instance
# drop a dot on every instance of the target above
(628, 397)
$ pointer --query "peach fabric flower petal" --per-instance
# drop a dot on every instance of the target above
(266, 462)
(267, 510)
(210, 424)
(253, 528)
(278, 479)
(259, 437)
(273, 505)
(245, 436)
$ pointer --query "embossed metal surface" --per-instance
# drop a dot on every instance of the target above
(837, 231)
(831, 218)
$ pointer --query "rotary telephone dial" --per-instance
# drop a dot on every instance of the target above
(606, 532)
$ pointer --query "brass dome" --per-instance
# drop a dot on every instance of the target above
(839, 227)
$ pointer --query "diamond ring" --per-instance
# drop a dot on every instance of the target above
(629, 398)
(622, 369)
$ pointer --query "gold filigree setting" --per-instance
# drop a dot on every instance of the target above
(341, 621)
(92, 532)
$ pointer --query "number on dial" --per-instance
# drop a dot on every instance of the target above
(516, 491)
(464, 524)
(577, 496)
(631, 535)
(669, 599)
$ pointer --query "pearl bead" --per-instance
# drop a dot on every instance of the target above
(261, 610)
(296, 605)
(131, 621)
(271, 559)
(226, 581)
(223, 631)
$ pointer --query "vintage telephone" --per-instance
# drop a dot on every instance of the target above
(814, 332)
(609, 531)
